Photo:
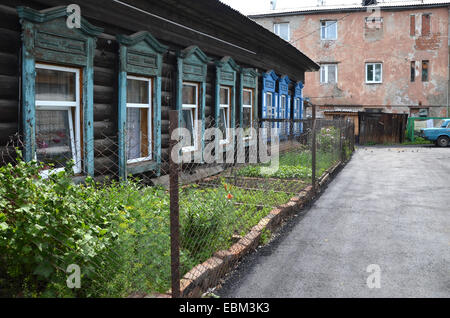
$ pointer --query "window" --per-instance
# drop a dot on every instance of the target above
(426, 24)
(328, 73)
(298, 110)
(224, 113)
(57, 95)
(189, 114)
(374, 72)
(328, 30)
(425, 66)
(270, 108)
(139, 119)
(283, 113)
(247, 113)
(413, 71)
(412, 25)
(282, 30)
(374, 22)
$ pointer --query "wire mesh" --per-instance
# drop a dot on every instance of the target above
(117, 231)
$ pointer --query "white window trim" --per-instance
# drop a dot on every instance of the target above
(381, 77)
(227, 116)
(194, 118)
(276, 30)
(326, 65)
(251, 112)
(326, 30)
(75, 136)
(149, 117)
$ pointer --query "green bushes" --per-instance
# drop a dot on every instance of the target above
(118, 233)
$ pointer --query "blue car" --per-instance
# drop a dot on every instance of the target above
(441, 135)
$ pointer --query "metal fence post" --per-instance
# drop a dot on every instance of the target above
(314, 147)
(174, 210)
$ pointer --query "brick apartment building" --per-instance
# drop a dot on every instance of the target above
(392, 56)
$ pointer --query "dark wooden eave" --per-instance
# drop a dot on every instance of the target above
(215, 27)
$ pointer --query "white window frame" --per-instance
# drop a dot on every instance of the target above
(276, 30)
(75, 132)
(194, 122)
(326, 66)
(149, 108)
(322, 26)
(251, 112)
(227, 115)
(374, 81)
(283, 112)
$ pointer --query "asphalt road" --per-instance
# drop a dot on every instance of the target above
(389, 207)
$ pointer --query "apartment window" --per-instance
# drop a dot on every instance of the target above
(189, 114)
(224, 113)
(247, 113)
(139, 119)
(412, 25)
(425, 67)
(374, 72)
(58, 128)
(328, 30)
(413, 71)
(426, 24)
(328, 73)
(282, 30)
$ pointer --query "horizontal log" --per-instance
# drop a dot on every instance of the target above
(9, 19)
(9, 64)
(9, 87)
(105, 147)
(103, 94)
(106, 165)
(6, 131)
(105, 59)
(9, 41)
(9, 111)
(104, 76)
(104, 129)
(103, 112)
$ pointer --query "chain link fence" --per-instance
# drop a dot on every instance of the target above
(66, 235)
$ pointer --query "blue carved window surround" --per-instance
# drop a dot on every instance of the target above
(269, 99)
(46, 39)
(298, 107)
(249, 83)
(284, 109)
(225, 99)
(192, 65)
(140, 62)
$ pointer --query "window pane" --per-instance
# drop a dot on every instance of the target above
(322, 74)
(378, 72)
(187, 122)
(268, 101)
(332, 74)
(331, 30)
(369, 72)
(133, 133)
(53, 140)
(424, 71)
(284, 31)
(247, 97)
(54, 85)
(224, 96)
(189, 95)
(413, 71)
(137, 91)
(246, 120)
(223, 122)
(323, 30)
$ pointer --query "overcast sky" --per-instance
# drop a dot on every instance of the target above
(253, 6)
(249, 6)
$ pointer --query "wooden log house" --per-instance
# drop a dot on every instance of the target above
(99, 91)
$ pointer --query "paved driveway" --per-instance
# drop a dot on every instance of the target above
(389, 207)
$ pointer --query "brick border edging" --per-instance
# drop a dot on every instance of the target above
(210, 272)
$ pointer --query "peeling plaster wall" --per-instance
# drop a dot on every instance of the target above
(392, 45)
